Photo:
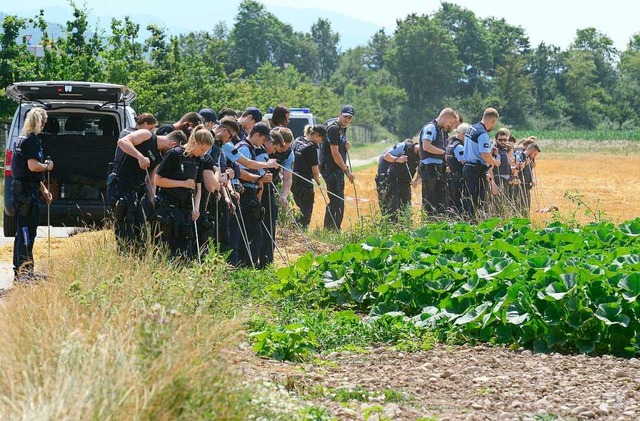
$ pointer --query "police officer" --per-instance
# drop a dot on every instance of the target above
(28, 167)
(137, 156)
(145, 121)
(284, 156)
(526, 163)
(333, 168)
(223, 203)
(478, 160)
(249, 118)
(432, 150)
(234, 160)
(403, 161)
(179, 180)
(454, 155)
(382, 184)
(250, 206)
(269, 198)
(305, 165)
(186, 124)
(502, 173)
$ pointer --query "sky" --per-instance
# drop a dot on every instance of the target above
(550, 21)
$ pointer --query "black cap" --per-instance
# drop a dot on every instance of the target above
(208, 115)
(255, 113)
(262, 129)
(321, 129)
(348, 110)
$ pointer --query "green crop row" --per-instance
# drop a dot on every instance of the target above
(555, 289)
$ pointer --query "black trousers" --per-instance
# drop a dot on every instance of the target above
(129, 220)
(27, 211)
(475, 188)
(398, 197)
(304, 197)
(382, 188)
(270, 205)
(454, 192)
(235, 235)
(335, 208)
(251, 217)
(177, 231)
(433, 188)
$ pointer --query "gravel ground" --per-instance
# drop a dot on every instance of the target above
(458, 383)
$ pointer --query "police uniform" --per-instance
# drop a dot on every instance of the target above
(502, 177)
(216, 204)
(235, 229)
(25, 199)
(474, 172)
(207, 219)
(382, 184)
(333, 174)
(251, 209)
(454, 156)
(305, 157)
(399, 178)
(432, 169)
(174, 205)
(269, 203)
(126, 191)
(523, 190)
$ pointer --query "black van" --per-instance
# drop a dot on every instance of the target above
(84, 120)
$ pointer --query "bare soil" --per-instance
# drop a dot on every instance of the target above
(459, 383)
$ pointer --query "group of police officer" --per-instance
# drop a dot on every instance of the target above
(219, 180)
(465, 176)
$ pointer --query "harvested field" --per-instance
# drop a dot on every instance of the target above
(608, 183)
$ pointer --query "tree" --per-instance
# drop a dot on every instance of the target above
(351, 70)
(377, 49)
(472, 43)
(123, 58)
(326, 43)
(425, 61)
(513, 89)
(16, 63)
(79, 50)
(583, 90)
(546, 64)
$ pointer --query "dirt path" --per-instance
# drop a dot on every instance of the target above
(456, 383)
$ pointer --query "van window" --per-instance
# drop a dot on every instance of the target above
(297, 126)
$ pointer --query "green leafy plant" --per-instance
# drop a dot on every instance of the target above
(560, 288)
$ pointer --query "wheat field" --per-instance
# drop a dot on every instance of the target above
(608, 183)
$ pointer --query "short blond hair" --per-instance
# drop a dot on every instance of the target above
(490, 113)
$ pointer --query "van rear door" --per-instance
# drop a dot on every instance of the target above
(70, 91)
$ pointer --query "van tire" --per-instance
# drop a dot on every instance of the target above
(9, 224)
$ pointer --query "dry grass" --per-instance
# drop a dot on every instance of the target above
(112, 337)
(607, 183)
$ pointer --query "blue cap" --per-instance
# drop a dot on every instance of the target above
(348, 110)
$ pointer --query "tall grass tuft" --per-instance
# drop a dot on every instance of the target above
(120, 337)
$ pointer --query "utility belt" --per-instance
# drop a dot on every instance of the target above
(172, 202)
(481, 169)
(24, 186)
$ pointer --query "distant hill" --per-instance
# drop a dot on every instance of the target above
(353, 32)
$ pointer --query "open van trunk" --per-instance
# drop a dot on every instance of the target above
(81, 145)
(84, 120)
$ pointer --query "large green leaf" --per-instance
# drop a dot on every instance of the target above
(611, 314)
(630, 284)
(516, 314)
(473, 314)
(440, 285)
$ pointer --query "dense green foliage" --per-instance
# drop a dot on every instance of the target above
(557, 289)
(397, 82)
